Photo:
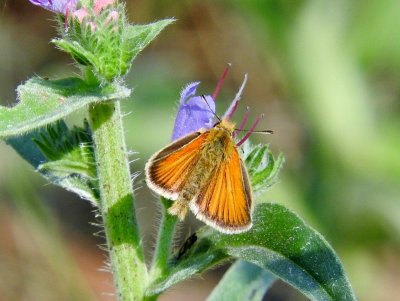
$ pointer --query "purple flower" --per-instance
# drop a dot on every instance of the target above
(57, 6)
(194, 112)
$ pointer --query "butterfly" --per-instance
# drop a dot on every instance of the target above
(203, 171)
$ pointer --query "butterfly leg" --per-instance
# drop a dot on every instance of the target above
(179, 208)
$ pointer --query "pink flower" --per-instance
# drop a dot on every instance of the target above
(99, 5)
(81, 14)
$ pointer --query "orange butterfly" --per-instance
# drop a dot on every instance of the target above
(203, 171)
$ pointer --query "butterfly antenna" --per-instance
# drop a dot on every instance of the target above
(250, 131)
(267, 132)
(263, 132)
(232, 108)
(243, 123)
(221, 81)
(208, 105)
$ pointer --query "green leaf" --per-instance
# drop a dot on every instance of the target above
(45, 101)
(79, 53)
(261, 165)
(137, 37)
(94, 41)
(279, 242)
(63, 156)
(243, 281)
(26, 148)
(192, 263)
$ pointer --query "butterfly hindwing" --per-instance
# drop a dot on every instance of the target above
(225, 202)
(167, 170)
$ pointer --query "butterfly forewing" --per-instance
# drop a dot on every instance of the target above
(225, 202)
(167, 170)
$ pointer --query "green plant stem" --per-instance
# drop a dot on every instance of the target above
(164, 242)
(116, 202)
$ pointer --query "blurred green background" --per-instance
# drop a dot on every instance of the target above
(325, 73)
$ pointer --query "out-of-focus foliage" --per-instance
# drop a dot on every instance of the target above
(35, 261)
(325, 73)
(254, 282)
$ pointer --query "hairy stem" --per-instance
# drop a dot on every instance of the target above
(164, 242)
(116, 203)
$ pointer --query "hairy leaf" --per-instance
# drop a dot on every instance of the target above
(44, 101)
(280, 242)
(261, 165)
(108, 44)
(63, 156)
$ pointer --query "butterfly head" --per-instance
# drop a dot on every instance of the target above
(226, 125)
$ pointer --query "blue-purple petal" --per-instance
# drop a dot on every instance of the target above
(188, 91)
(193, 112)
(57, 6)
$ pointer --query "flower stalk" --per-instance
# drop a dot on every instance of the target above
(164, 241)
(116, 202)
